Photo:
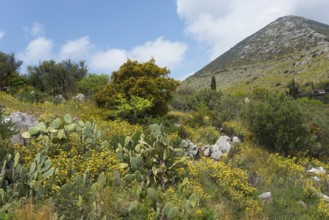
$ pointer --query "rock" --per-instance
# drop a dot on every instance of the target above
(302, 204)
(266, 196)
(221, 147)
(246, 100)
(318, 170)
(80, 97)
(22, 122)
(60, 99)
(316, 179)
(190, 149)
(235, 141)
(206, 150)
(323, 196)
(177, 125)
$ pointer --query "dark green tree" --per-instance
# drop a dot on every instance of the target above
(8, 66)
(213, 83)
(57, 78)
(144, 80)
(293, 90)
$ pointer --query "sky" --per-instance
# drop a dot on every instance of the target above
(182, 35)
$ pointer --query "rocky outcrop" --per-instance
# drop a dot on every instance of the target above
(190, 149)
(80, 97)
(222, 146)
(22, 122)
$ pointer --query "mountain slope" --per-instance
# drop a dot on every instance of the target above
(289, 48)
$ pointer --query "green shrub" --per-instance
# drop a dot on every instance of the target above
(278, 123)
(30, 94)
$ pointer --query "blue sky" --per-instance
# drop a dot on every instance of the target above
(183, 35)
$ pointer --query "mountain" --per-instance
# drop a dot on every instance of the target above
(289, 48)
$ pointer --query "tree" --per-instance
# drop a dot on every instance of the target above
(92, 83)
(144, 80)
(213, 83)
(57, 78)
(8, 66)
(293, 90)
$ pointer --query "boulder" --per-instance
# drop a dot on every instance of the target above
(235, 141)
(318, 170)
(80, 97)
(221, 147)
(22, 122)
(60, 99)
(266, 196)
(316, 179)
(323, 196)
(190, 149)
(206, 150)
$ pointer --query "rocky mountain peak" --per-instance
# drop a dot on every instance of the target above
(293, 37)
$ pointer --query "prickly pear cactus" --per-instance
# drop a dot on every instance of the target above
(150, 164)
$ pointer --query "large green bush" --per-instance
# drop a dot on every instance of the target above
(145, 80)
(277, 123)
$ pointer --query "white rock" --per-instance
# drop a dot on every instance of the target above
(235, 141)
(80, 97)
(221, 147)
(266, 196)
(318, 170)
(207, 150)
(316, 179)
(190, 149)
(22, 122)
(323, 196)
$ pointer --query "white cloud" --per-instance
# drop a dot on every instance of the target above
(37, 50)
(221, 24)
(108, 61)
(2, 34)
(37, 29)
(166, 54)
(78, 49)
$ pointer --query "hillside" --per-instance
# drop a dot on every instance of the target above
(289, 48)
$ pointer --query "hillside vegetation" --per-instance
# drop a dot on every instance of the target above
(138, 146)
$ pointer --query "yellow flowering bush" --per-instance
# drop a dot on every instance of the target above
(323, 208)
(230, 182)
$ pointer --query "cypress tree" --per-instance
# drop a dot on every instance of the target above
(213, 83)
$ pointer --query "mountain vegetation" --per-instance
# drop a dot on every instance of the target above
(289, 48)
(141, 145)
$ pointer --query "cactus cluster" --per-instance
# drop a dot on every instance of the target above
(61, 130)
(40, 168)
(150, 163)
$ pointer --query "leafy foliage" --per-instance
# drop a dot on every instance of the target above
(57, 78)
(6, 131)
(92, 83)
(145, 80)
(277, 123)
(8, 66)
(133, 109)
